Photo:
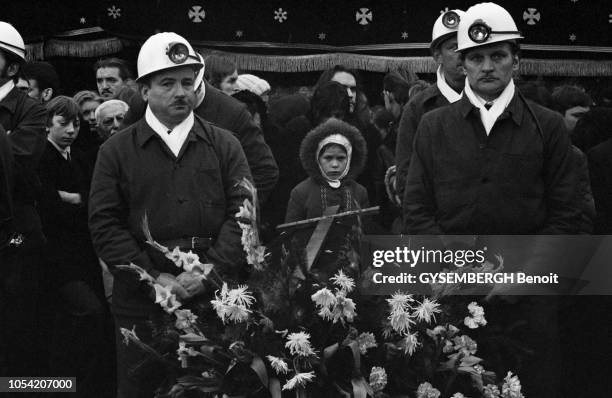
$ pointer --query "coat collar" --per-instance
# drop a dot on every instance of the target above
(12, 98)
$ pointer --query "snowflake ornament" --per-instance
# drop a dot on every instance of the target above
(363, 16)
(404, 35)
(239, 33)
(322, 36)
(280, 15)
(572, 37)
(82, 21)
(196, 14)
(114, 12)
(531, 16)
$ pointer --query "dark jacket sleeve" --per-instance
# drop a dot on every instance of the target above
(418, 203)
(296, 209)
(405, 139)
(601, 176)
(584, 195)
(560, 178)
(258, 154)
(227, 253)
(6, 187)
(108, 214)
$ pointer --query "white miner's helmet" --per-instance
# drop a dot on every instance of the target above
(164, 51)
(485, 23)
(11, 40)
(445, 26)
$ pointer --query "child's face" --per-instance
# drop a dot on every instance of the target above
(333, 161)
(63, 132)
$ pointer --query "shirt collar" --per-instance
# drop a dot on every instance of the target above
(64, 152)
(161, 129)
(445, 89)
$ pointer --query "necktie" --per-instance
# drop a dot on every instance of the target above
(68, 156)
(488, 105)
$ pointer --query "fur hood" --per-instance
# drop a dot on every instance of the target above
(309, 145)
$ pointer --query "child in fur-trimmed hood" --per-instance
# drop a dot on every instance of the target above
(333, 155)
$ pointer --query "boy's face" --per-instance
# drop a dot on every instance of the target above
(333, 161)
(63, 132)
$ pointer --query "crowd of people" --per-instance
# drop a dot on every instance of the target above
(473, 152)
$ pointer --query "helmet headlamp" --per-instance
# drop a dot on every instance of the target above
(479, 32)
(179, 53)
(451, 19)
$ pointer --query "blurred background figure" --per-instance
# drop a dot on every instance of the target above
(254, 84)
(221, 73)
(572, 102)
(44, 83)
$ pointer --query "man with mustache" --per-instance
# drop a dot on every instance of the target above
(182, 173)
(448, 88)
(112, 75)
(490, 163)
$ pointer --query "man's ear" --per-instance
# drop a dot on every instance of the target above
(144, 92)
(46, 94)
(437, 55)
(515, 63)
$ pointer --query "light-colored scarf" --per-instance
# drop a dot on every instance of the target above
(341, 140)
(489, 117)
(446, 90)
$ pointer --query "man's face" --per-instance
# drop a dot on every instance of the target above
(171, 95)
(450, 61)
(392, 105)
(111, 120)
(108, 81)
(489, 69)
(63, 132)
(34, 91)
(228, 84)
(349, 82)
(572, 115)
(7, 71)
(88, 109)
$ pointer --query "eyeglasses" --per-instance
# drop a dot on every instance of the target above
(451, 19)
(179, 53)
(479, 31)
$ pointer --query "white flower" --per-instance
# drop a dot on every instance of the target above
(184, 319)
(410, 343)
(344, 282)
(426, 310)
(465, 344)
(490, 391)
(458, 395)
(165, 298)
(175, 257)
(366, 341)
(237, 313)
(278, 364)
(344, 309)
(511, 387)
(129, 335)
(477, 316)
(400, 322)
(240, 296)
(475, 309)
(378, 379)
(400, 302)
(324, 298)
(184, 351)
(299, 344)
(426, 390)
(189, 259)
(233, 304)
(299, 380)
(326, 314)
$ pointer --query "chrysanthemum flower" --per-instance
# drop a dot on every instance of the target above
(324, 298)
(278, 364)
(343, 282)
(400, 322)
(426, 390)
(410, 343)
(344, 309)
(511, 387)
(400, 302)
(426, 310)
(299, 380)
(299, 344)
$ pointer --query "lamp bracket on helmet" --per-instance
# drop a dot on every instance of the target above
(179, 53)
(479, 31)
(451, 19)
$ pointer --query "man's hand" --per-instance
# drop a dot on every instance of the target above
(192, 283)
(72, 198)
(168, 280)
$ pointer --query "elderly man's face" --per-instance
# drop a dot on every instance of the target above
(110, 120)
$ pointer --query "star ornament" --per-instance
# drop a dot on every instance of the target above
(404, 35)
(82, 21)
(322, 36)
(239, 33)
(572, 37)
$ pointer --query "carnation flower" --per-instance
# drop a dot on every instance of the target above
(426, 390)
(299, 344)
(324, 298)
(345, 283)
(366, 341)
(184, 319)
(378, 379)
(410, 343)
(278, 364)
(400, 302)
(426, 310)
(490, 391)
(233, 304)
(511, 387)
(477, 316)
(400, 322)
(299, 380)
(465, 345)
(344, 309)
